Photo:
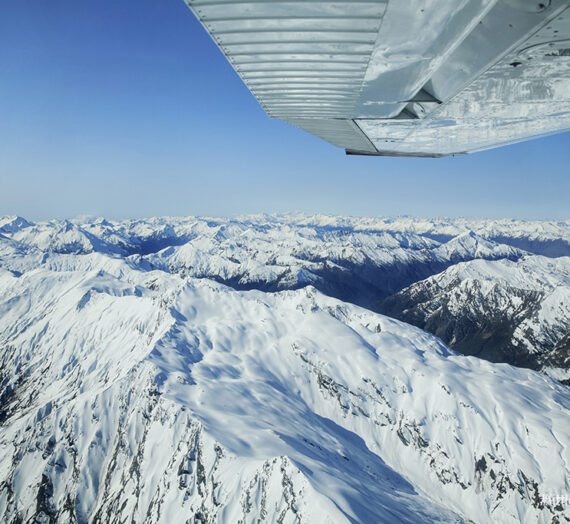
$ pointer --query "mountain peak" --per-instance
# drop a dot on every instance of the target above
(11, 224)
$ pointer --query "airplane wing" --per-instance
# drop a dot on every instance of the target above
(402, 77)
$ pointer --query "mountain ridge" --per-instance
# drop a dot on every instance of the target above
(503, 311)
(133, 389)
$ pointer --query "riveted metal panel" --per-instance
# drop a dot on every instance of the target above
(525, 95)
(420, 77)
(288, 51)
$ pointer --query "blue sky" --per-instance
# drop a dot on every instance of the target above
(124, 109)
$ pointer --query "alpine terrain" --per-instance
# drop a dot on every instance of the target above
(498, 310)
(215, 370)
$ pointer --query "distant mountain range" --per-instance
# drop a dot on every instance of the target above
(357, 261)
(194, 369)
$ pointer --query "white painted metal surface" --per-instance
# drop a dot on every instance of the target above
(407, 77)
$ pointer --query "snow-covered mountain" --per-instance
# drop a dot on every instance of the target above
(503, 311)
(347, 261)
(134, 394)
(547, 238)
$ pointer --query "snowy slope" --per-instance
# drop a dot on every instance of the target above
(548, 238)
(516, 312)
(266, 253)
(62, 237)
(131, 394)
(11, 224)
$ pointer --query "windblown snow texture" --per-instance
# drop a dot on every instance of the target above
(131, 390)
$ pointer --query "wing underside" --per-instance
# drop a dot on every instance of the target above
(403, 78)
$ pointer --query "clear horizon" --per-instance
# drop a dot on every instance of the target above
(85, 218)
(115, 111)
